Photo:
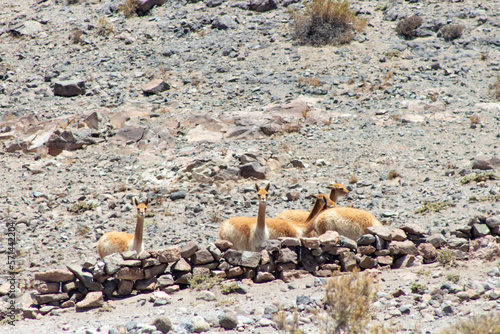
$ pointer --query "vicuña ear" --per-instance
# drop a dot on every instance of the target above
(257, 187)
(146, 202)
(267, 187)
(135, 202)
(313, 196)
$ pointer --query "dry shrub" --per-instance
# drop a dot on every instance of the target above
(103, 27)
(75, 36)
(406, 27)
(433, 96)
(450, 32)
(314, 81)
(129, 8)
(481, 324)
(495, 89)
(393, 174)
(326, 22)
(348, 302)
(353, 179)
(484, 56)
(474, 121)
(73, 2)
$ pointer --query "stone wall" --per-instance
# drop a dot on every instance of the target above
(171, 269)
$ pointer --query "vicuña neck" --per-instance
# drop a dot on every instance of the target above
(317, 209)
(334, 195)
(139, 229)
(261, 216)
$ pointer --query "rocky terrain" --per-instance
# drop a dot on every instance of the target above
(192, 103)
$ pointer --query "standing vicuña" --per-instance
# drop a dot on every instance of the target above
(119, 242)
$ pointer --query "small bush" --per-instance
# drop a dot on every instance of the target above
(229, 288)
(81, 207)
(478, 177)
(450, 32)
(129, 8)
(495, 89)
(286, 327)
(406, 27)
(481, 324)
(433, 206)
(326, 22)
(103, 27)
(453, 278)
(417, 288)
(393, 174)
(446, 258)
(203, 282)
(348, 299)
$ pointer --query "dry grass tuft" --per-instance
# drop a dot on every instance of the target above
(353, 179)
(447, 258)
(495, 89)
(326, 22)
(450, 32)
(393, 174)
(433, 206)
(75, 36)
(406, 27)
(129, 8)
(103, 27)
(314, 81)
(348, 301)
(480, 324)
(284, 326)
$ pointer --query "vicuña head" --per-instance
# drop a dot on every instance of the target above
(119, 242)
(337, 190)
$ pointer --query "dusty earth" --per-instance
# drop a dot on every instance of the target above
(241, 90)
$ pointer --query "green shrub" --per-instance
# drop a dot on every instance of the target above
(417, 288)
(326, 22)
(406, 27)
(433, 206)
(203, 282)
(447, 258)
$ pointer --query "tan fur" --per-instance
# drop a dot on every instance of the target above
(349, 222)
(337, 190)
(247, 233)
(119, 242)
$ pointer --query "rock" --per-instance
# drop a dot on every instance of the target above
(411, 228)
(366, 240)
(384, 260)
(30, 313)
(228, 320)
(367, 262)
(310, 243)
(49, 298)
(84, 276)
(250, 259)
(484, 163)
(26, 28)
(69, 88)
(437, 240)
(286, 255)
(254, 170)
(381, 231)
(223, 245)
(129, 273)
(428, 251)
(348, 261)
(163, 324)
(125, 287)
(146, 263)
(112, 263)
(155, 86)
(366, 250)
(348, 243)
(178, 195)
(406, 261)
(43, 288)
(480, 230)
(398, 235)
(189, 249)
(206, 295)
(200, 325)
(182, 265)
(233, 257)
(170, 254)
(55, 275)
(492, 222)
(288, 242)
(402, 248)
(155, 270)
(92, 300)
(263, 277)
(273, 245)
(149, 284)
(202, 256)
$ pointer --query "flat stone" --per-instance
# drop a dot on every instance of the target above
(165, 280)
(366, 240)
(69, 88)
(406, 261)
(55, 275)
(233, 257)
(234, 272)
(272, 245)
(254, 170)
(250, 259)
(366, 250)
(170, 254)
(289, 242)
(382, 231)
(367, 262)
(150, 262)
(155, 270)
(112, 262)
(223, 245)
(310, 243)
(189, 249)
(437, 240)
(155, 86)
(216, 252)
(264, 277)
(49, 298)
(129, 255)
(45, 287)
(412, 228)
(163, 324)
(492, 222)
(182, 265)
(348, 261)
(125, 287)
(480, 230)
(92, 300)
(149, 284)
(286, 255)
(202, 256)
(129, 273)
(402, 248)
(70, 286)
(384, 260)
(329, 239)
(131, 263)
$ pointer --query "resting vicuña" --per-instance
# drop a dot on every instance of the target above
(300, 216)
(349, 222)
(119, 242)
